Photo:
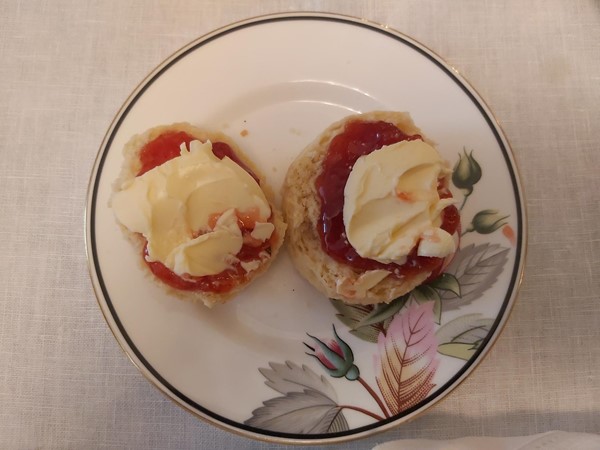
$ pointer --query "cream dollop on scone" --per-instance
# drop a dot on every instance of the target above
(200, 213)
(392, 204)
(369, 213)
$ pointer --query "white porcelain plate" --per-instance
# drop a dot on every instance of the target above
(264, 364)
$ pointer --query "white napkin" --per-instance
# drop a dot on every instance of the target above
(553, 440)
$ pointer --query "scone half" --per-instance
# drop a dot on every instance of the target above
(303, 208)
(182, 208)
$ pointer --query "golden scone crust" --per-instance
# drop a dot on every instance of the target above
(301, 207)
(131, 167)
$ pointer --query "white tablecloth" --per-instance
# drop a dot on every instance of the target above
(67, 66)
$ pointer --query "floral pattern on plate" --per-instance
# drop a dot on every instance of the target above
(410, 334)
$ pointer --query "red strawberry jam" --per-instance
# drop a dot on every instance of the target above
(166, 147)
(358, 139)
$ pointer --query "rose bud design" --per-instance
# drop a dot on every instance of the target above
(466, 173)
(487, 221)
(336, 357)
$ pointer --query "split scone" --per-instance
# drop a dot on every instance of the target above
(369, 213)
(198, 212)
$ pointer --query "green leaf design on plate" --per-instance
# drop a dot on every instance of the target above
(351, 315)
(307, 412)
(476, 267)
(457, 350)
(462, 336)
(446, 282)
(382, 312)
(367, 321)
(308, 404)
(426, 293)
